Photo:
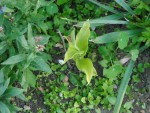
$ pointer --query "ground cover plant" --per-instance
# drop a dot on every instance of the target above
(35, 37)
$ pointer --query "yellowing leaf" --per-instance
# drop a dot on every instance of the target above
(83, 36)
(86, 66)
(72, 53)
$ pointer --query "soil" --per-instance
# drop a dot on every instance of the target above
(140, 97)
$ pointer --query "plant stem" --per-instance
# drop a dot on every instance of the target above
(63, 41)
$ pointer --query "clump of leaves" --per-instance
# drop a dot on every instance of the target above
(77, 49)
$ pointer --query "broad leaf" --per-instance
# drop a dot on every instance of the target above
(114, 36)
(4, 108)
(123, 41)
(52, 9)
(42, 65)
(14, 59)
(29, 78)
(23, 42)
(85, 65)
(113, 71)
(134, 54)
(13, 91)
(72, 53)
(82, 37)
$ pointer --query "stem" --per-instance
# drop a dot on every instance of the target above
(63, 41)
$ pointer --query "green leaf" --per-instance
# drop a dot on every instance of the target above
(111, 9)
(31, 39)
(114, 36)
(29, 78)
(85, 65)
(123, 41)
(125, 6)
(134, 54)
(1, 76)
(128, 105)
(82, 37)
(14, 59)
(4, 108)
(83, 99)
(113, 71)
(23, 42)
(43, 26)
(111, 99)
(72, 53)
(30, 58)
(60, 2)
(3, 47)
(123, 87)
(96, 22)
(42, 65)
(4, 87)
(52, 9)
(11, 92)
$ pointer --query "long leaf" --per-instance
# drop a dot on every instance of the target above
(125, 6)
(4, 87)
(123, 87)
(42, 65)
(4, 108)
(31, 40)
(14, 59)
(111, 9)
(110, 17)
(114, 36)
(13, 91)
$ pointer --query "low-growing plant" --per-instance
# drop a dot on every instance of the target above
(78, 46)
(132, 41)
(21, 49)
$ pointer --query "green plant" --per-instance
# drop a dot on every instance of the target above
(21, 49)
(77, 49)
(131, 41)
(6, 94)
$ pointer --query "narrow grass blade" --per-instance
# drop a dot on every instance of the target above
(123, 87)
(125, 6)
(111, 9)
(114, 36)
(93, 23)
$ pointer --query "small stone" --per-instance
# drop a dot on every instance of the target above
(66, 79)
(142, 111)
(26, 107)
(60, 94)
(61, 62)
(1, 29)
